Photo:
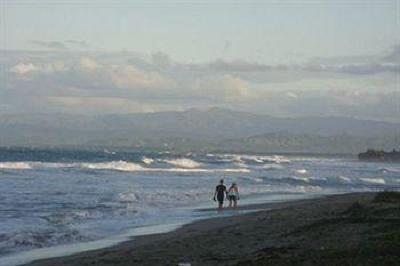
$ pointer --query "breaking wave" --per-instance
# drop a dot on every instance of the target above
(254, 179)
(184, 163)
(344, 178)
(255, 159)
(114, 165)
(301, 171)
(147, 160)
(389, 170)
(307, 179)
(15, 165)
(257, 189)
(272, 166)
(373, 180)
(299, 178)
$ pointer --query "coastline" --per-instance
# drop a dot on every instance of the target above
(275, 233)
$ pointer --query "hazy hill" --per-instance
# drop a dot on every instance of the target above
(190, 129)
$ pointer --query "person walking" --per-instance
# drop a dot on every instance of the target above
(219, 194)
(233, 195)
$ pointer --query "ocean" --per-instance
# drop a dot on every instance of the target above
(64, 198)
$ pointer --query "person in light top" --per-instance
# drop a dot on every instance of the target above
(233, 195)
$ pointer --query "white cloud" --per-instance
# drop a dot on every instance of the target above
(93, 105)
(62, 45)
(120, 82)
(130, 77)
(226, 87)
(27, 68)
(119, 76)
(291, 95)
(56, 45)
(89, 64)
(23, 68)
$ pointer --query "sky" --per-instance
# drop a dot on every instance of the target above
(280, 58)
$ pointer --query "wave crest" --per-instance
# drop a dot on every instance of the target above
(114, 165)
(380, 181)
(15, 165)
(184, 163)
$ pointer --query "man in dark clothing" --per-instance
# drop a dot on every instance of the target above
(219, 194)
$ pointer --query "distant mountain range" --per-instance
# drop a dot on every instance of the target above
(213, 129)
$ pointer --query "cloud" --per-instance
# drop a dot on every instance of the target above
(87, 73)
(78, 43)
(291, 95)
(355, 69)
(227, 45)
(90, 105)
(62, 45)
(130, 77)
(231, 66)
(129, 82)
(394, 55)
(23, 68)
(346, 65)
(225, 87)
(51, 44)
(89, 64)
(121, 76)
(161, 59)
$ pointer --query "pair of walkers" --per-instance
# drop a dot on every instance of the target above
(232, 194)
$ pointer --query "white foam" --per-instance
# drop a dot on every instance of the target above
(15, 165)
(344, 178)
(127, 197)
(261, 189)
(255, 158)
(184, 163)
(272, 166)
(308, 179)
(263, 158)
(301, 171)
(275, 159)
(304, 179)
(234, 170)
(114, 165)
(31, 165)
(373, 180)
(53, 165)
(190, 166)
(317, 178)
(147, 160)
(252, 158)
(241, 165)
(255, 179)
(109, 152)
(389, 170)
(199, 170)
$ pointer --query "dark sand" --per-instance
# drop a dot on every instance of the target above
(351, 229)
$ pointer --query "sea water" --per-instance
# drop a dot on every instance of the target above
(52, 199)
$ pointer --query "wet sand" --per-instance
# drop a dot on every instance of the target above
(349, 229)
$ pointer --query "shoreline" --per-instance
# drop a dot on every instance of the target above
(66, 250)
(131, 234)
(199, 214)
(272, 232)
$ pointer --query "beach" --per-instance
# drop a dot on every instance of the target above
(348, 229)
